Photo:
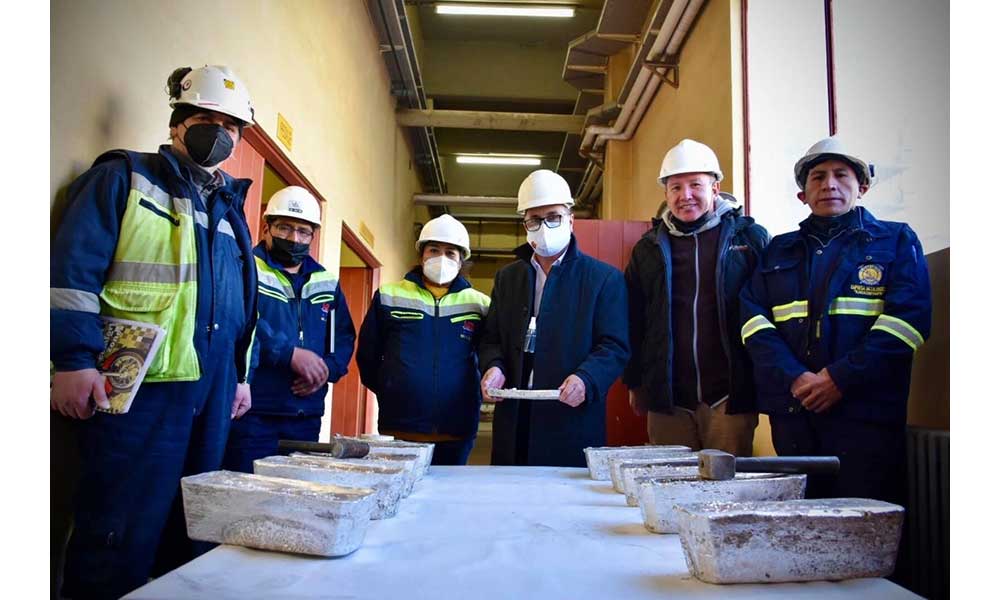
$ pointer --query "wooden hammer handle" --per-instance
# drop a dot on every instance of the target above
(340, 448)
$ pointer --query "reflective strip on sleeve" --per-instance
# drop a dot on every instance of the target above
(901, 329)
(753, 325)
(797, 309)
(70, 299)
(226, 228)
(865, 307)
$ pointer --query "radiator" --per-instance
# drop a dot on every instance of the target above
(927, 511)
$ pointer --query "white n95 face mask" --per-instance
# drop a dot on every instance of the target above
(441, 269)
(549, 242)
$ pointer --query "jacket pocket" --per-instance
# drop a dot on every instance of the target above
(406, 315)
(147, 304)
(156, 210)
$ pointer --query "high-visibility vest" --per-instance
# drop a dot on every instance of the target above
(153, 277)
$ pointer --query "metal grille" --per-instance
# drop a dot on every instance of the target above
(927, 513)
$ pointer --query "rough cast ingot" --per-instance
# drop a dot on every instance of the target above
(388, 482)
(408, 462)
(632, 473)
(795, 540)
(424, 450)
(615, 465)
(271, 513)
(597, 457)
(659, 496)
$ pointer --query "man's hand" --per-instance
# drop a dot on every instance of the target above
(802, 383)
(72, 391)
(637, 407)
(492, 378)
(821, 395)
(309, 367)
(303, 387)
(241, 402)
(573, 391)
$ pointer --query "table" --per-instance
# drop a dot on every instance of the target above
(490, 532)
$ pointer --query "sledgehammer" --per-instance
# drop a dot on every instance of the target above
(339, 448)
(719, 465)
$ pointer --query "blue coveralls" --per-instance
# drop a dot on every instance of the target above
(302, 319)
(131, 464)
(857, 303)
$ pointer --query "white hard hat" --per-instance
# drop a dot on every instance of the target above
(689, 156)
(294, 202)
(216, 88)
(831, 148)
(447, 229)
(541, 188)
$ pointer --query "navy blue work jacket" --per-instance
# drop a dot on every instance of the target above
(874, 313)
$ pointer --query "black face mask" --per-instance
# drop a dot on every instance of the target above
(288, 253)
(208, 145)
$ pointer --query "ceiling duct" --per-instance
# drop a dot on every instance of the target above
(396, 44)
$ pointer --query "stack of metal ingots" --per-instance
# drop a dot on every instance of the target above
(755, 526)
(307, 502)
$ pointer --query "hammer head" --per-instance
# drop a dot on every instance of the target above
(716, 465)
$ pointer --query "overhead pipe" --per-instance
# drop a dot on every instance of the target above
(669, 37)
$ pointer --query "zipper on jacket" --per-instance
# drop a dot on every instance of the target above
(694, 341)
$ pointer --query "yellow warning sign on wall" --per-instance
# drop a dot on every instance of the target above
(367, 235)
(285, 132)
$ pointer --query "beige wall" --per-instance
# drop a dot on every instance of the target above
(702, 108)
(315, 61)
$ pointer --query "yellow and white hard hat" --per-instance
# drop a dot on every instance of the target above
(216, 87)
(296, 203)
(447, 229)
(832, 148)
(689, 156)
(541, 188)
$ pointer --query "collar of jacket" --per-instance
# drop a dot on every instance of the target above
(525, 251)
(416, 275)
(309, 266)
(866, 223)
(724, 204)
(735, 214)
(238, 187)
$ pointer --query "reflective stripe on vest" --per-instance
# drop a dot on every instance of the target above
(406, 294)
(901, 329)
(153, 276)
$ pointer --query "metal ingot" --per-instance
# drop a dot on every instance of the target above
(597, 458)
(631, 474)
(407, 462)
(795, 540)
(425, 451)
(272, 513)
(616, 464)
(387, 481)
(659, 496)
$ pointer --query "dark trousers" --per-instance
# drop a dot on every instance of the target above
(256, 436)
(872, 455)
(129, 485)
(453, 453)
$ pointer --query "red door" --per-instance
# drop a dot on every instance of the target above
(612, 242)
(247, 163)
(350, 398)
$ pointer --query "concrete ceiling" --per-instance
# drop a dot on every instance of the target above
(502, 64)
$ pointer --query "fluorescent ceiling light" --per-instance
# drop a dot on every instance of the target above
(499, 159)
(504, 11)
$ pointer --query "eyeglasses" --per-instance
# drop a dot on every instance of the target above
(551, 221)
(286, 231)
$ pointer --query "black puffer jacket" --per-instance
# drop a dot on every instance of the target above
(650, 369)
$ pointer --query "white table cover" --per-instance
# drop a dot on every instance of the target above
(490, 532)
